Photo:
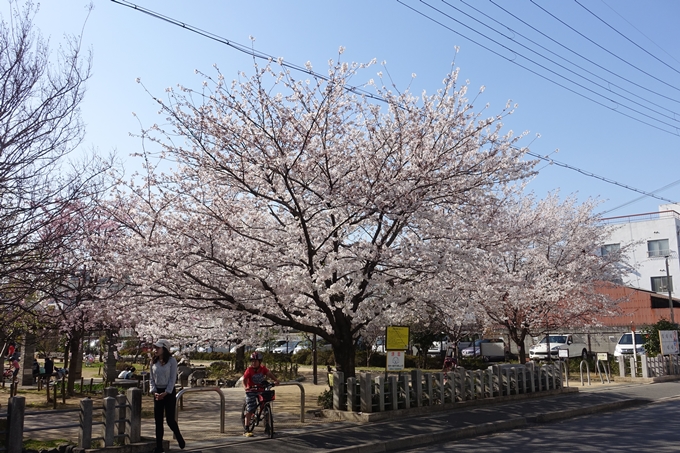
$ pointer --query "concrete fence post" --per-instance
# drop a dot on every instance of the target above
(643, 363)
(85, 429)
(407, 390)
(394, 392)
(109, 426)
(16, 408)
(351, 393)
(366, 392)
(622, 366)
(121, 415)
(110, 392)
(462, 372)
(489, 380)
(417, 385)
(134, 415)
(339, 391)
(479, 384)
(380, 389)
(633, 368)
(428, 387)
(451, 385)
(439, 381)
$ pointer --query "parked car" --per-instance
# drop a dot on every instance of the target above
(573, 343)
(379, 346)
(625, 344)
(286, 348)
(492, 353)
(321, 345)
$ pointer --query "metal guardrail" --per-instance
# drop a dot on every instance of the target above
(587, 371)
(302, 397)
(181, 393)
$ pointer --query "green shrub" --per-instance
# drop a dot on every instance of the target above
(325, 399)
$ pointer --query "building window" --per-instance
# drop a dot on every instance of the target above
(658, 248)
(609, 248)
(660, 284)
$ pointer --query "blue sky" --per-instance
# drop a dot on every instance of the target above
(127, 44)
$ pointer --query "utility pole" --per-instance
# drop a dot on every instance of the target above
(668, 286)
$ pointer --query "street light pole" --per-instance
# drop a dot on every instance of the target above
(668, 286)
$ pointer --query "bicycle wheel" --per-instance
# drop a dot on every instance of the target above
(268, 421)
(243, 415)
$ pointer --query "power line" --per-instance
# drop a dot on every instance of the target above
(257, 54)
(584, 57)
(627, 38)
(608, 51)
(667, 186)
(673, 118)
(539, 74)
(602, 178)
(241, 48)
(639, 31)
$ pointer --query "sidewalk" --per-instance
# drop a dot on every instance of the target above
(200, 421)
(400, 433)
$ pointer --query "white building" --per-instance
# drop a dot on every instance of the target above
(653, 239)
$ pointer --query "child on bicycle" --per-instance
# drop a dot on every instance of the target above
(254, 381)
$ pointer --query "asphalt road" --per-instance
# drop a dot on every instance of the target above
(653, 427)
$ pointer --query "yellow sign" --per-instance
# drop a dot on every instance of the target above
(397, 338)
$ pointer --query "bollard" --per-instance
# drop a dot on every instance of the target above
(15, 424)
(85, 429)
(339, 399)
(134, 415)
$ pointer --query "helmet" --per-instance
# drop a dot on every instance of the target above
(256, 356)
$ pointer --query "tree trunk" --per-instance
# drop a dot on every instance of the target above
(344, 351)
(518, 337)
(240, 364)
(110, 373)
(75, 369)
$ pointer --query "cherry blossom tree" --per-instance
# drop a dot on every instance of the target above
(301, 204)
(40, 124)
(545, 276)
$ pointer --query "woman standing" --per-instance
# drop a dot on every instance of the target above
(162, 384)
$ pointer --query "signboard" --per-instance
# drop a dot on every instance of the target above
(396, 338)
(669, 342)
(395, 360)
(563, 353)
(602, 356)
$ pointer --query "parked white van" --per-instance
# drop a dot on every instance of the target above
(625, 344)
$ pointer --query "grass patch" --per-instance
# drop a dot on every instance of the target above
(32, 444)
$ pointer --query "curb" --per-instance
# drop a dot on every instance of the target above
(485, 428)
(597, 408)
(420, 440)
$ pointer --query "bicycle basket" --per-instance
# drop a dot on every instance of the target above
(266, 396)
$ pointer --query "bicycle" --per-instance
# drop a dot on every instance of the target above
(263, 411)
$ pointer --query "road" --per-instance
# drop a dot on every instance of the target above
(652, 427)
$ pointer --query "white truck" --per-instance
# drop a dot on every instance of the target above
(571, 342)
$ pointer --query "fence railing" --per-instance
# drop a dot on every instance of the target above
(648, 367)
(368, 393)
(121, 419)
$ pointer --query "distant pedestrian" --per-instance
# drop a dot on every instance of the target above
(162, 384)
